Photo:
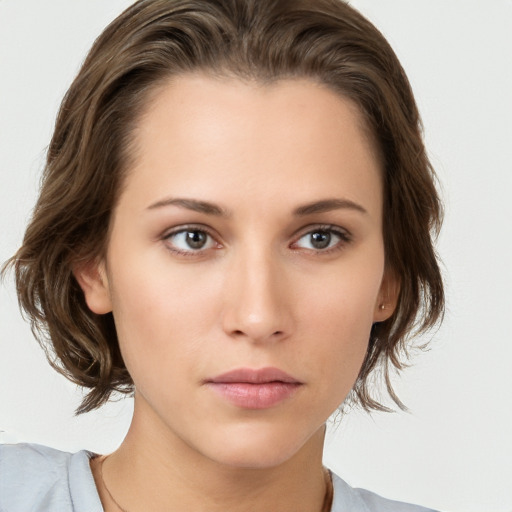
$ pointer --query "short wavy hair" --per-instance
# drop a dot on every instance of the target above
(265, 40)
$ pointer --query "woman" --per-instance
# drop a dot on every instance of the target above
(235, 224)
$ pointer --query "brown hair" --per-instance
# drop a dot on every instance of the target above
(266, 40)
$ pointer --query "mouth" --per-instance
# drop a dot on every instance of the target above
(254, 388)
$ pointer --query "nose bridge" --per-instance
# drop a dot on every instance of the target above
(255, 305)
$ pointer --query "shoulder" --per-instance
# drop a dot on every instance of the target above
(348, 498)
(34, 477)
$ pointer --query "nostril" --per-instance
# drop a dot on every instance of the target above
(240, 333)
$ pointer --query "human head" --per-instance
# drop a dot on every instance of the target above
(262, 40)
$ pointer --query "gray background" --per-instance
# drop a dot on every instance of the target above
(454, 450)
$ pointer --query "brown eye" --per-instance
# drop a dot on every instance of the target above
(190, 240)
(323, 239)
(320, 239)
(196, 239)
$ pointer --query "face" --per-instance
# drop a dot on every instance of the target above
(245, 265)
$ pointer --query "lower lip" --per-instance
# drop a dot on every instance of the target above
(255, 396)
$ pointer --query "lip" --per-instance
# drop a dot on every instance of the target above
(249, 388)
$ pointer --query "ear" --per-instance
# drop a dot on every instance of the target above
(92, 278)
(387, 298)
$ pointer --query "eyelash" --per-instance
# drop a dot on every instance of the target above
(344, 238)
(187, 229)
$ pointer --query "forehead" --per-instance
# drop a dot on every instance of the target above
(199, 132)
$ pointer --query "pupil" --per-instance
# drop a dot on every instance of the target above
(320, 239)
(196, 239)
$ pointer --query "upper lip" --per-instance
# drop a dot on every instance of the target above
(254, 376)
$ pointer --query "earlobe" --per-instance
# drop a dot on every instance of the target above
(92, 278)
(388, 297)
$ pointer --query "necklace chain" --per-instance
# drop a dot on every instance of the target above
(106, 488)
(329, 491)
(326, 506)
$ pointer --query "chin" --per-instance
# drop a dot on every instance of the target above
(258, 447)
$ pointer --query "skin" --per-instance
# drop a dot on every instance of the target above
(258, 293)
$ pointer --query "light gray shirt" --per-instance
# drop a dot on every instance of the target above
(36, 478)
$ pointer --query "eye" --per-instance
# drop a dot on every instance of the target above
(190, 240)
(322, 239)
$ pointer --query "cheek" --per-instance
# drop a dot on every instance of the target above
(338, 314)
(161, 319)
(342, 301)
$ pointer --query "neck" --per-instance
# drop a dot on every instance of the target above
(153, 470)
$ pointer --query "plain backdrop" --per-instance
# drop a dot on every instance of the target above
(453, 451)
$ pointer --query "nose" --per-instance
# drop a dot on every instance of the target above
(257, 302)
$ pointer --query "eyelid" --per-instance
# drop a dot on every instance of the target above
(334, 228)
(168, 233)
(184, 227)
(344, 234)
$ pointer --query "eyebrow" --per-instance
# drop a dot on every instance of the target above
(191, 204)
(327, 205)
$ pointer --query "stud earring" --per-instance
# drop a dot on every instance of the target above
(382, 307)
